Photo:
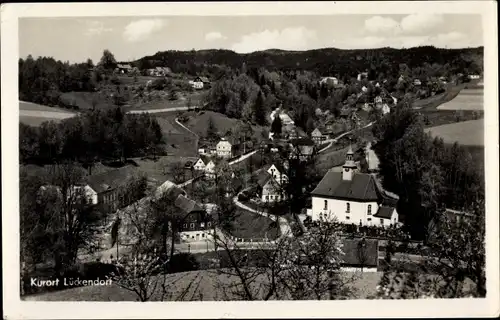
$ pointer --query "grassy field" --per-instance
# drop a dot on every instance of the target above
(467, 99)
(194, 286)
(435, 101)
(198, 123)
(195, 97)
(469, 133)
(35, 114)
(179, 141)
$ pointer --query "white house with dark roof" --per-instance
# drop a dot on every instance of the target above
(210, 170)
(352, 197)
(199, 165)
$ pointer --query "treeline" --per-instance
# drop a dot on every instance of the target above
(329, 61)
(427, 174)
(90, 137)
(44, 79)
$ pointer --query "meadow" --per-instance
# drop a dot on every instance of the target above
(467, 99)
(34, 114)
(467, 133)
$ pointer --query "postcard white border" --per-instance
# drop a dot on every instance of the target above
(14, 308)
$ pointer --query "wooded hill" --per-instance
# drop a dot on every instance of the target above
(328, 61)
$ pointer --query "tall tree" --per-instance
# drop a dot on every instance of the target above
(108, 60)
(276, 126)
(259, 111)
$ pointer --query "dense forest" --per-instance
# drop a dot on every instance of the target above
(329, 61)
(91, 137)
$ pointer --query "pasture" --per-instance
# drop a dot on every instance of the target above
(467, 133)
(467, 99)
(195, 98)
(34, 114)
(198, 123)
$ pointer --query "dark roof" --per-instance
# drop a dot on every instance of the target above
(263, 177)
(109, 180)
(384, 212)
(278, 166)
(302, 142)
(187, 205)
(355, 256)
(361, 187)
(203, 79)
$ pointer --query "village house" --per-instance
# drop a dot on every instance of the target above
(364, 89)
(104, 188)
(277, 171)
(285, 119)
(268, 188)
(329, 81)
(199, 165)
(317, 136)
(352, 197)
(385, 108)
(417, 82)
(302, 148)
(378, 99)
(224, 149)
(474, 76)
(197, 223)
(200, 83)
(123, 68)
(210, 170)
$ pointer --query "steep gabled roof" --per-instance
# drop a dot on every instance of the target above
(110, 180)
(361, 187)
(187, 205)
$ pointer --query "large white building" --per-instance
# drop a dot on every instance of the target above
(224, 149)
(352, 197)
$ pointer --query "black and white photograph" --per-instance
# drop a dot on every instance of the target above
(223, 153)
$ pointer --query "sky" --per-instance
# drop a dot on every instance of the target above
(129, 38)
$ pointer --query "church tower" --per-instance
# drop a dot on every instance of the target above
(349, 166)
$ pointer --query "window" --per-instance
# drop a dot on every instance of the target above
(209, 224)
(369, 209)
(267, 197)
(203, 235)
(202, 225)
(185, 225)
(191, 225)
(381, 221)
(347, 218)
(326, 205)
(348, 208)
(369, 219)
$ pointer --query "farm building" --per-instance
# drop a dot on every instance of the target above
(103, 188)
(210, 170)
(352, 197)
(123, 68)
(159, 71)
(200, 83)
(197, 224)
(268, 188)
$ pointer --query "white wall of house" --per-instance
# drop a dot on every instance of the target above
(277, 175)
(270, 192)
(197, 236)
(224, 149)
(199, 165)
(89, 193)
(358, 211)
(387, 222)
